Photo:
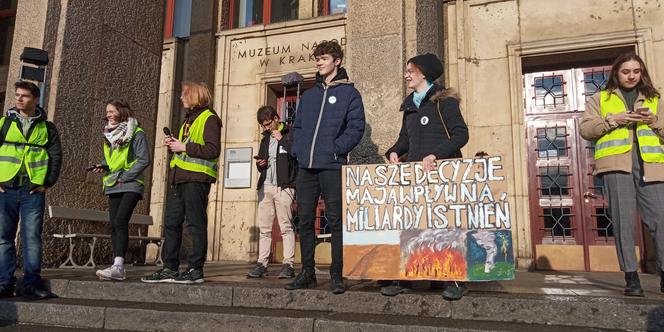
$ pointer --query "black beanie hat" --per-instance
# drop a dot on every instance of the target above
(431, 66)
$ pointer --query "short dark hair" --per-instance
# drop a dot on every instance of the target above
(123, 108)
(330, 47)
(34, 90)
(266, 113)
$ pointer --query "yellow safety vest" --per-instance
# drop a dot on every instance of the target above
(17, 151)
(118, 162)
(184, 161)
(617, 141)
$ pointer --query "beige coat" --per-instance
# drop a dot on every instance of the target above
(593, 126)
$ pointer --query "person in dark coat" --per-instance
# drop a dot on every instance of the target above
(432, 129)
(328, 125)
(276, 192)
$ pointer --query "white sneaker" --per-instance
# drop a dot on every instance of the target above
(113, 272)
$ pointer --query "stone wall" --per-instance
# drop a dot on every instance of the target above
(98, 50)
(484, 42)
(376, 57)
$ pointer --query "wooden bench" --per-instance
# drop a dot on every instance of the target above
(100, 217)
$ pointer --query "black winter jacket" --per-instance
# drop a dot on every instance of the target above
(329, 123)
(53, 146)
(286, 163)
(422, 132)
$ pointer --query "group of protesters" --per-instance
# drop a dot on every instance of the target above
(329, 123)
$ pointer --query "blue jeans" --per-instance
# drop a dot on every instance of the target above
(15, 202)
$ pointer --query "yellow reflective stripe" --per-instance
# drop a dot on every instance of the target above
(40, 163)
(652, 149)
(111, 179)
(197, 161)
(612, 143)
(645, 132)
(9, 159)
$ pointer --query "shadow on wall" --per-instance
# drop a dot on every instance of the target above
(367, 151)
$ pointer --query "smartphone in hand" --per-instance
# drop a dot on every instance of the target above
(643, 110)
(93, 167)
(257, 158)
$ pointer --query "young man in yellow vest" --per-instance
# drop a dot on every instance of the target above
(193, 170)
(30, 161)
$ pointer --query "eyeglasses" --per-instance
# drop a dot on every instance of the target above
(267, 124)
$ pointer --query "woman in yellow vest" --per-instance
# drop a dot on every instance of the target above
(193, 165)
(126, 156)
(626, 124)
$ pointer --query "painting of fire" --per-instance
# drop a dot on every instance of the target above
(433, 255)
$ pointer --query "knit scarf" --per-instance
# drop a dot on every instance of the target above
(120, 133)
(419, 96)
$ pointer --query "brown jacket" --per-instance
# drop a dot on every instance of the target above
(210, 150)
(593, 126)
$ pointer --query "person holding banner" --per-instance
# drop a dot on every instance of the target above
(624, 121)
(432, 128)
(126, 156)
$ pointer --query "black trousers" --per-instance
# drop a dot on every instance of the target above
(310, 183)
(120, 208)
(186, 204)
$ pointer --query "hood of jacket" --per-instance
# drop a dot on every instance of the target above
(40, 114)
(340, 78)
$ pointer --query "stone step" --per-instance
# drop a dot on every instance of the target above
(573, 311)
(134, 316)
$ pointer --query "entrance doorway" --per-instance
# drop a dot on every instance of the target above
(286, 106)
(570, 226)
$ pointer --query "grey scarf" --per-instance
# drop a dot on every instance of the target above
(120, 133)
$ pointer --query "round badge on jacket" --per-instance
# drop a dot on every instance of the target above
(424, 120)
(332, 99)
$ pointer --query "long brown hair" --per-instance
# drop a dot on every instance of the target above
(123, 108)
(644, 86)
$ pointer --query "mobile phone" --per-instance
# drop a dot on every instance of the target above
(257, 158)
(167, 131)
(91, 168)
(643, 110)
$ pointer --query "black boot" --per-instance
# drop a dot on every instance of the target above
(303, 280)
(454, 290)
(7, 290)
(633, 285)
(337, 284)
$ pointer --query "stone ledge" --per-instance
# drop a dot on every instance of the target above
(150, 320)
(597, 312)
(142, 292)
(116, 315)
(52, 314)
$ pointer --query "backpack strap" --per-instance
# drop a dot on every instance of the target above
(6, 123)
(443, 121)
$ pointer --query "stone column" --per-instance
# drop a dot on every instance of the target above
(98, 50)
(382, 36)
(32, 14)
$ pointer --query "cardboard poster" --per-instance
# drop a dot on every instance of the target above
(453, 223)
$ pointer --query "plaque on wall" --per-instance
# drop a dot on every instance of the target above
(237, 172)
